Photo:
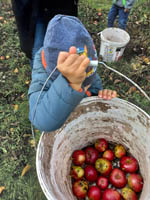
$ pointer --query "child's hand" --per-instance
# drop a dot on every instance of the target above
(73, 67)
(107, 94)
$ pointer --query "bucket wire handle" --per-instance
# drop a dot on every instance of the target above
(32, 128)
(136, 85)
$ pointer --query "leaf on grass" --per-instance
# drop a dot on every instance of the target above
(25, 169)
(16, 70)
(27, 82)
(117, 81)
(147, 61)
(16, 108)
(131, 90)
(32, 143)
(2, 188)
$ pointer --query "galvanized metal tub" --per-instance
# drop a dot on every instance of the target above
(116, 120)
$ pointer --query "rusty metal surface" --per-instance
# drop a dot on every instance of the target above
(116, 120)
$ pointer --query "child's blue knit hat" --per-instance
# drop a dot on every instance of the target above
(63, 32)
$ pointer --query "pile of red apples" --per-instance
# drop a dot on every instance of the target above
(105, 171)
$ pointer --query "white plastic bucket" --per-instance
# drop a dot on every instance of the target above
(116, 120)
(113, 43)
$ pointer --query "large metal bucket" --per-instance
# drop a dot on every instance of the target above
(116, 120)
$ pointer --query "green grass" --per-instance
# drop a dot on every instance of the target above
(100, 4)
(16, 150)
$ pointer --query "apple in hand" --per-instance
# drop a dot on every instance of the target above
(78, 157)
(117, 178)
(128, 194)
(108, 154)
(135, 182)
(103, 166)
(80, 188)
(102, 182)
(101, 145)
(111, 194)
(90, 173)
(119, 151)
(94, 193)
(91, 155)
(77, 172)
(129, 164)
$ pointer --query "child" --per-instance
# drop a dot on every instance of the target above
(122, 9)
(68, 46)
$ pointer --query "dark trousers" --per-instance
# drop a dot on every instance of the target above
(123, 17)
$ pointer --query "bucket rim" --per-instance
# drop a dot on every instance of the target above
(119, 44)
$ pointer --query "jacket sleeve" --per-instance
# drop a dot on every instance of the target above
(96, 85)
(129, 4)
(56, 102)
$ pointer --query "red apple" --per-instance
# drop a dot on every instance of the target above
(77, 172)
(117, 178)
(135, 182)
(128, 194)
(108, 154)
(103, 166)
(101, 145)
(119, 151)
(129, 164)
(102, 182)
(91, 155)
(90, 173)
(94, 193)
(80, 189)
(111, 194)
(78, 157)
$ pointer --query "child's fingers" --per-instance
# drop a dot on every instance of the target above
(71, 59)
(85, 63)
(107, 94)
(73, 50)
(62, 57)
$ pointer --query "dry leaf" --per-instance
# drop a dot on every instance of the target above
(132, 89)
(16, 70)
(16, 107)
(147, 60)
(25, 170)
(27, 82)
(2, 188)
(117, 81)
(32, 143)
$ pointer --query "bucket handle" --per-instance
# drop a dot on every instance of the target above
(136, 85)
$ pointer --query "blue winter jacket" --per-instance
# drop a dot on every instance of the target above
(57, 100)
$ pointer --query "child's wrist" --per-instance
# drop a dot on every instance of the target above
(76, 87)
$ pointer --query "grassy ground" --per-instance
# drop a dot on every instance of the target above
(16, 143)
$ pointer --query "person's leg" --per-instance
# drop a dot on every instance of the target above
(112, 15)
(40, 31)
(123, 18)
